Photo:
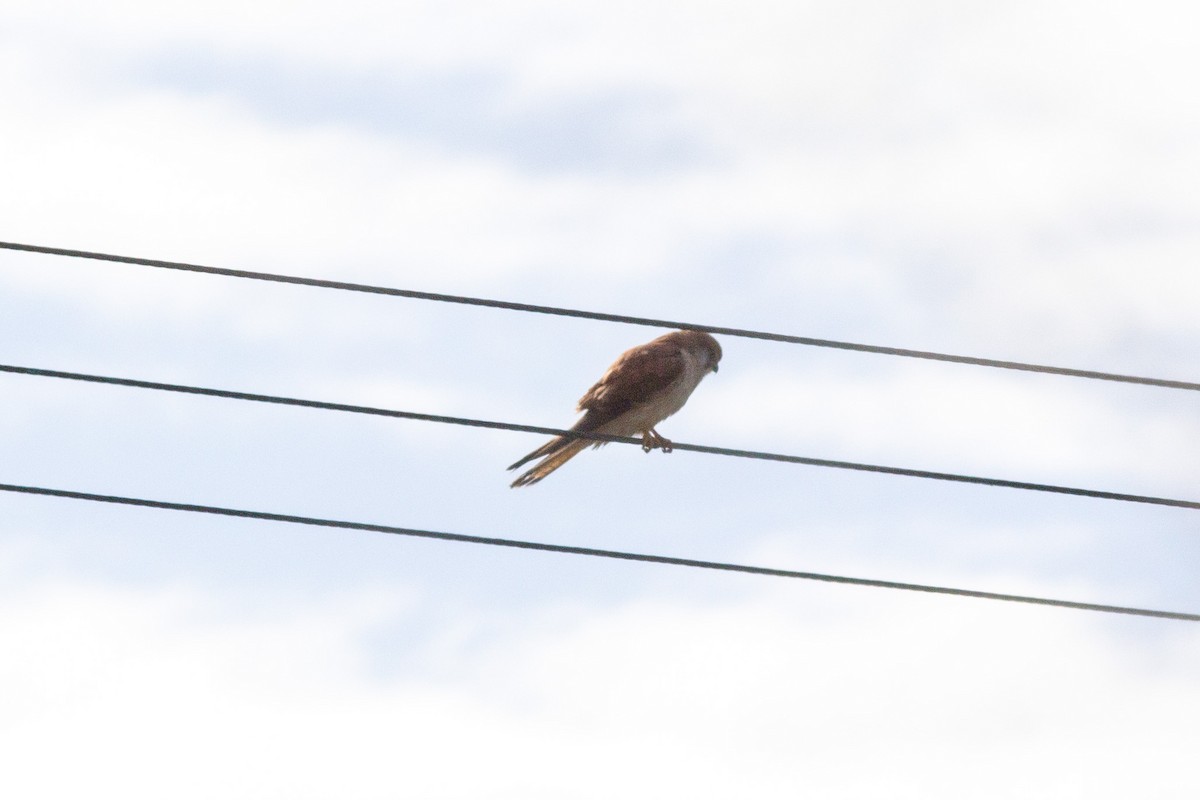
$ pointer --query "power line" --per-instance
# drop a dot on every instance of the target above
(595, 315)
(508, 426)
(592, 552)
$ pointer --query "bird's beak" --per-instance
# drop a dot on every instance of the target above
(714, 367)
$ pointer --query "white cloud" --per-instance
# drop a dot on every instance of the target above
(1015, 179)
(961, 147)
(202, 179)
(847, 693)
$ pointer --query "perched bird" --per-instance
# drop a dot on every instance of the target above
(643, 387)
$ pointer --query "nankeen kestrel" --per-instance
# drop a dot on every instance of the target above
(643, 387)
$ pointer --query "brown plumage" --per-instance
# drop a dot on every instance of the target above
(643, 387)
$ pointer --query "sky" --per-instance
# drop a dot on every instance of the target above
(1012, 181)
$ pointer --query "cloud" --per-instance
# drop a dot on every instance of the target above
(949, 184)
(1013, 180)
(624, 130)
(205, 179)
(845, 692)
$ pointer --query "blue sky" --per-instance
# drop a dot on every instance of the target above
(1013, 182)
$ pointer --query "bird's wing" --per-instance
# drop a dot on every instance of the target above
(639, 375)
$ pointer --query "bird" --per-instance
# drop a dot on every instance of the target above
(644, 386)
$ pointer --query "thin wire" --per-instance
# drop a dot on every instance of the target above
(508, 426)
(628, 320)
(592, 552)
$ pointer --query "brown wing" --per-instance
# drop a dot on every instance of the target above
(635, 377)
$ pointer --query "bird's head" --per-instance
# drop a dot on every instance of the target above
(705, 347)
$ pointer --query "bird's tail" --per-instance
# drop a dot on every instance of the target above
(545, 450)
(557, 452)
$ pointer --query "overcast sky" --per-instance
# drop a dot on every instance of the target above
(1010, 180)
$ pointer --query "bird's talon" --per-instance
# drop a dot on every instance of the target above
(653, 440)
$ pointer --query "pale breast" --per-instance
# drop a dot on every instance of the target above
(658, 407)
